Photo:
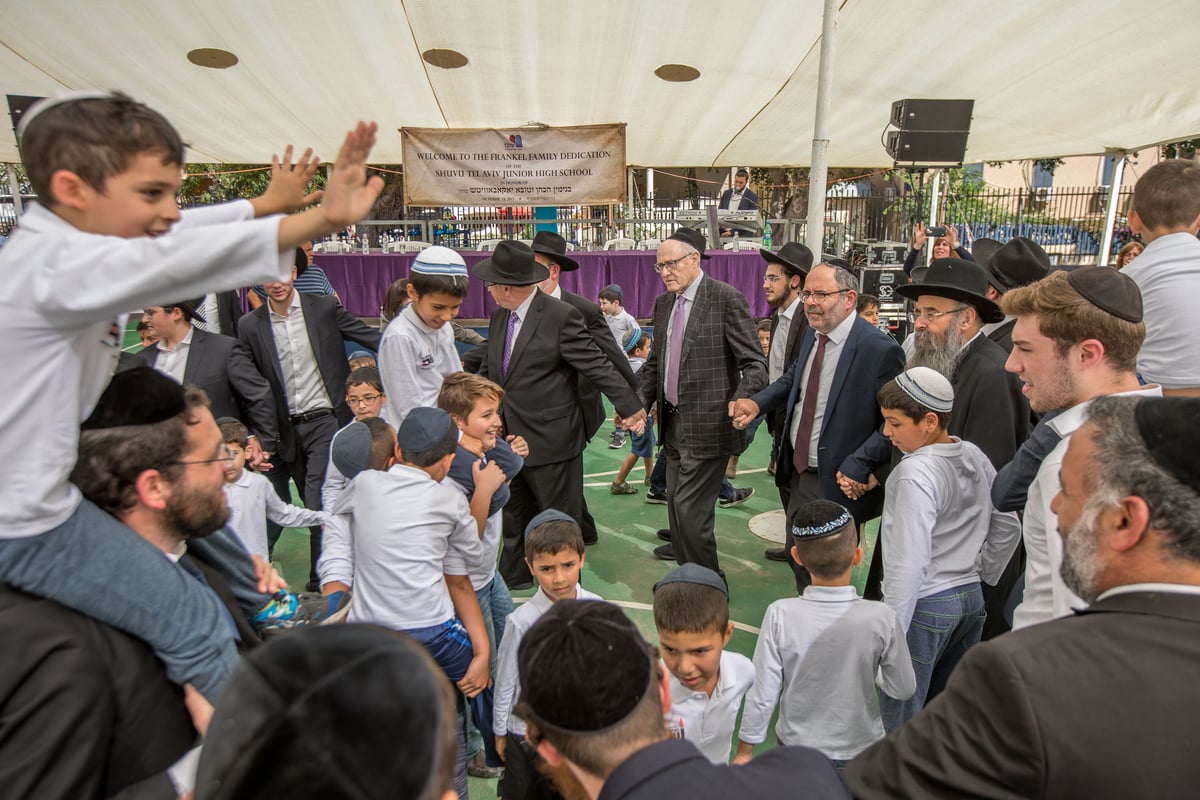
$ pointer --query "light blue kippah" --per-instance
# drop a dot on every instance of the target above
(438, 260)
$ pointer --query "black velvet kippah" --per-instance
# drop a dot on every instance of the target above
(1108, 290)
(323, 712)
(583, 666)
(138, 396)
(1168, 427)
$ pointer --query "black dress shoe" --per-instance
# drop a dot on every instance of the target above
(664, 552)
(664, 534)
(776, 554)
(591, 542)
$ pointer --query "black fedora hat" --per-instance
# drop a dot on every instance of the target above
(512, 264)
(555, 246)
(1020, 262)
(983, 249)
(793, 256)
(190, 309)
(957, 279)
(692, 237)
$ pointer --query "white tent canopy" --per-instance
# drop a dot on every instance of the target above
(1048, 79)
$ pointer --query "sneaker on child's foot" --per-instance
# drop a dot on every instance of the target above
(477, 767)
(287, 610)
(655, 498)
(739, 496)
(622, 488)
(616, 441)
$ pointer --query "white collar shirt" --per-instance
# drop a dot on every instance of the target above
(708, 721)
(252, 501)
(1168, 275)
(833, 351)
(172, 362)
(522, 312)
(689, 295)
(1046, 596)
(301, 377)
(777, 354)
(414, 359)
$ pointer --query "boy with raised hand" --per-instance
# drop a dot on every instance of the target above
(103, 240)
(417, 351)
(554, 552)
(828, 650)
(938, 542)
(708, 682)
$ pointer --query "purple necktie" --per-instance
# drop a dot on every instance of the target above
(808, 407)
(509, 341)
(675, 351)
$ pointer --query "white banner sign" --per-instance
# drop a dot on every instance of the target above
(584, 164)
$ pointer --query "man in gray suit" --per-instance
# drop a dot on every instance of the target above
(706, 354)
(1101, 704)
(217, 364)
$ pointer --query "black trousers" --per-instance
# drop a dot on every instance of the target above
(693, 485)
(801, 488)
(307, 468)
(532, 491)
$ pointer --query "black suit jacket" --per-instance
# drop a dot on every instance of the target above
(989, 410)
(722, 360)
(553, 350)
(221, 367)
(792, 349)
(229, 311)
(749, 201)
(869, 359)
(589, 396)
(1100, 705)
(328, 324)
(85, 710)
(1003, 336)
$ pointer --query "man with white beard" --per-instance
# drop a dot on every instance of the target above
(1101, 704)
(951, 307)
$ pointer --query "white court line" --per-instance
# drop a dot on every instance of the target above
(615, 471)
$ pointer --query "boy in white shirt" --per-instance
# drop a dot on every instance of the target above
(366, 398)
(708, 682)
(554, 552)
(417, 349)
(940, 534)
(829, 649)
(103, 240)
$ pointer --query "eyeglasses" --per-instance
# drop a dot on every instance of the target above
(929, 315)
(227, 457)
(820, 297)
(662, 266)
(364, 400)
(772, 278)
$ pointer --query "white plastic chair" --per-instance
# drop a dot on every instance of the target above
(743, 244)
(649, 244)
(489, 244)
(620, 244)
(331, 247)
(407, 247)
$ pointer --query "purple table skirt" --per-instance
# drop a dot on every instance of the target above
(362, 280)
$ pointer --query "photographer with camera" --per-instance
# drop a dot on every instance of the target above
(945, 245)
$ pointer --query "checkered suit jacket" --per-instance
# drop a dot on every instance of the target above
(721, 361)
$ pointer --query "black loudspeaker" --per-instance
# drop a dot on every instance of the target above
(927, 147)
(18, 104)
(932, 115)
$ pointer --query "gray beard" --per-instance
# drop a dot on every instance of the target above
(943, 356)
(1081, 554)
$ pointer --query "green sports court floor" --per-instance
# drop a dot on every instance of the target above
(621, 567)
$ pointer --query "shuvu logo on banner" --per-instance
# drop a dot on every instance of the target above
(582, 164)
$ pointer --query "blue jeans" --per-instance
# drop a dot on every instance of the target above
(943, 626)
(496, 604)
(102, 569)
(658, 481)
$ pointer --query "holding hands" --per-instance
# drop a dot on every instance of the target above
(853, 489)
(743, 412)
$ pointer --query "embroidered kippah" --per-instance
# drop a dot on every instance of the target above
(817, 519)
(928, 387)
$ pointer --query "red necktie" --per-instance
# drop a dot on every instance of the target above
(808, 408)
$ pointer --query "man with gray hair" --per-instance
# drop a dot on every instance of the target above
(828, 394)
(1101, 704)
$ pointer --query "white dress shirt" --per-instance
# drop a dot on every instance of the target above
(301, 378)
(689, 294)
(708, 721)
(777, 355)
(522, 313)
(827, 650)
(508, 689)
(1046, 596)
(1168, 274)
(252, 501)
(172, 362)
(833, 351)
(65, 298)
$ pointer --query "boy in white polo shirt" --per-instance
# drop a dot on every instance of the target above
(708, 682)
(940, 534)
(417, 349)
(104, 239)
(832, 652)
